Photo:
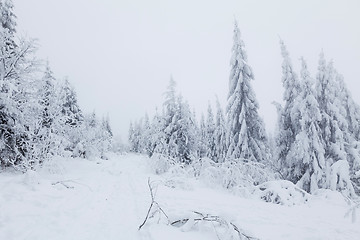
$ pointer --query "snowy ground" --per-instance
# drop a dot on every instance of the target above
(82, 199)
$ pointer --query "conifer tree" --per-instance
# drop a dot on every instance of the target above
(289, 119)
(202, 139)
(157, 135)
(182, 140)
(246, 137)
(210, 138)
(220, 135)
(306, 160)
(333, 124)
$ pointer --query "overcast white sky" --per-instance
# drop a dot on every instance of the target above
(119, 54)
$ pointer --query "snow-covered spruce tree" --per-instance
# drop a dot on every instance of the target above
(210, 130)
(105, 137)
(146, 135)
(202, 140)
(156, 136)
(288, 121)
(307, 152)
(49, 131)
(353, 120)
(182, 140)
(170, 120)
(220, 135)
(72, 115)
(173, 134)
(333, 124)
(246, 138)
(95, 140)
(334, 128)
(135, 137)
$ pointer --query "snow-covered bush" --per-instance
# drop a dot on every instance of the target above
(340, 178)
(231, 173)
(281, 192)
(160, 163)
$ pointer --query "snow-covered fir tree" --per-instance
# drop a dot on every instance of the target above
(338, 141)
(289, 119)
(333, 123)
(220, 135)
(52, 122)
(246, 137)
(135, 137)
(182, 140)
(95, 139)
(210, 131)
(157, 136)
(170, 108)
(307, 152)
(146, 136)
(202, 138)
(353, 121)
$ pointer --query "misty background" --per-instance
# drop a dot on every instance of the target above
(120, 55)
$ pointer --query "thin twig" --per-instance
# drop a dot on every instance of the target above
(151, 205)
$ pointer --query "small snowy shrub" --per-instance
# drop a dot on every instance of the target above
(231, 173)
(340, 178)
(281, 192)
(161, 164)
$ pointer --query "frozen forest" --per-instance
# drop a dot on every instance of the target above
(217, 174)
(315, 145)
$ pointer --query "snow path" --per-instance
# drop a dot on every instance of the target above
(109, 200)
(101, 203)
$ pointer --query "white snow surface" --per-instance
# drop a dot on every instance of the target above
(108, 199)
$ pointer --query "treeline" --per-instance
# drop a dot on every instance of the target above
(39, 114)
(316, 143)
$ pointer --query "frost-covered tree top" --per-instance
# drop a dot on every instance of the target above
(289, 78)
(170, 98)
(246, 134)
(289, 118)
(7, 16)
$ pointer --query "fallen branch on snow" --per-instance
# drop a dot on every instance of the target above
(155, 208)
(153, 204)
(214, 219)
(64, 183)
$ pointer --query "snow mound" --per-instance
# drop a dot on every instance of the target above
(330, 195)
(281, 192)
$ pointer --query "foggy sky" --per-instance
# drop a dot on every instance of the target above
(120, 54)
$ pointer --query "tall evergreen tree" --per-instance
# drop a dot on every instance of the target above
(306, 160)
(289, 119)
(210, 138)
(202, 138)
(157, 135)
(170, 107)
(182, 140)
(333, 124)
(220, 135)
(246, 137)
